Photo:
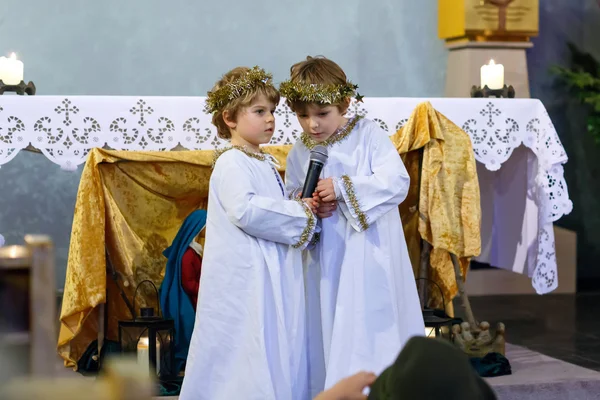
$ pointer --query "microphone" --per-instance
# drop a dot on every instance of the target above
(318, 158)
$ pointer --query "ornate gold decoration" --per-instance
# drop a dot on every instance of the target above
(310, 225)
(488, 20)
(261, 156)
(219, 98)
(502, 6)
(318, 93)
(360, 216)
(337, 137)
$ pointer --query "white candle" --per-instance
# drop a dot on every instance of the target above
(11, 70)
(492, 75)
(143, 354)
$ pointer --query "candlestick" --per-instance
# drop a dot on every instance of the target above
(492, 75)
(507, 92)
(21, 89)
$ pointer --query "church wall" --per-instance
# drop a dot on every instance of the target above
(179, 48)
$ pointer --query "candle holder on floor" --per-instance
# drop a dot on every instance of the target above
(21, 89)
(507, 92)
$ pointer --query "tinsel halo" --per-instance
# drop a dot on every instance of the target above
(318, 93)
(219, 98)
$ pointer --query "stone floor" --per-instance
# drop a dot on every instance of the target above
(566, 327)
(538, 377)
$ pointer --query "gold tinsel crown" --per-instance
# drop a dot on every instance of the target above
(218, 98)
(318, 93)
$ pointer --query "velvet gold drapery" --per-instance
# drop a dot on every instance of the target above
(131, 204)
(443, 206)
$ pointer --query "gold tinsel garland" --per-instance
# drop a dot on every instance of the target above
(310, 225)
(349, 188)
(219, 98)
(333, 139)
(318, 93)
(262, 156)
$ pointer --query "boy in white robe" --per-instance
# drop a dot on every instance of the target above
(361, 293)
(249, 335)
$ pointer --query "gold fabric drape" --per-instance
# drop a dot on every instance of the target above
(445, 210)
(129, 205)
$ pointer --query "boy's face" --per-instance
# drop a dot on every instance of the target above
(320, 122)
(255, 124)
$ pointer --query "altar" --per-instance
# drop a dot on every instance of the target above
(520, 155)
(520, 159)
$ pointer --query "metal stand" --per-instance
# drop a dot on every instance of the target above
(21, 89)
(507, 92)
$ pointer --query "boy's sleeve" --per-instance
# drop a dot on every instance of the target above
(363, 199)
(278, 220)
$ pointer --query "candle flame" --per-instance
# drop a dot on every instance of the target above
(492, 62)
(13, 56)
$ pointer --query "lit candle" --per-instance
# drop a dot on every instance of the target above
(492, 75)
(143, 354)
(11, 70)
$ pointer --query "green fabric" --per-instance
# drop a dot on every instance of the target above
(171, 387)
(493, 364)
(430, 369)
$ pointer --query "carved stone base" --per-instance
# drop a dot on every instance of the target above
(479, 341)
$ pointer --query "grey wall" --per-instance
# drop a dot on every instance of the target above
(177, 47)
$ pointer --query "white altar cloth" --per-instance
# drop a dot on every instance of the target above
(521, 158)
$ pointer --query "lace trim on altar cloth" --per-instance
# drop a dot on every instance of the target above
(65, 129)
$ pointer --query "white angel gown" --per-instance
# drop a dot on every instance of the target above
(249, 335)
(362, 300)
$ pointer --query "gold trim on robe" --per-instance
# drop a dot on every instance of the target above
(308, 232)
(360, 216)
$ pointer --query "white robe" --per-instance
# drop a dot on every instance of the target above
(249, 335)
(359, 281)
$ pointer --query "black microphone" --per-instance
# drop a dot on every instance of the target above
(318, 158)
